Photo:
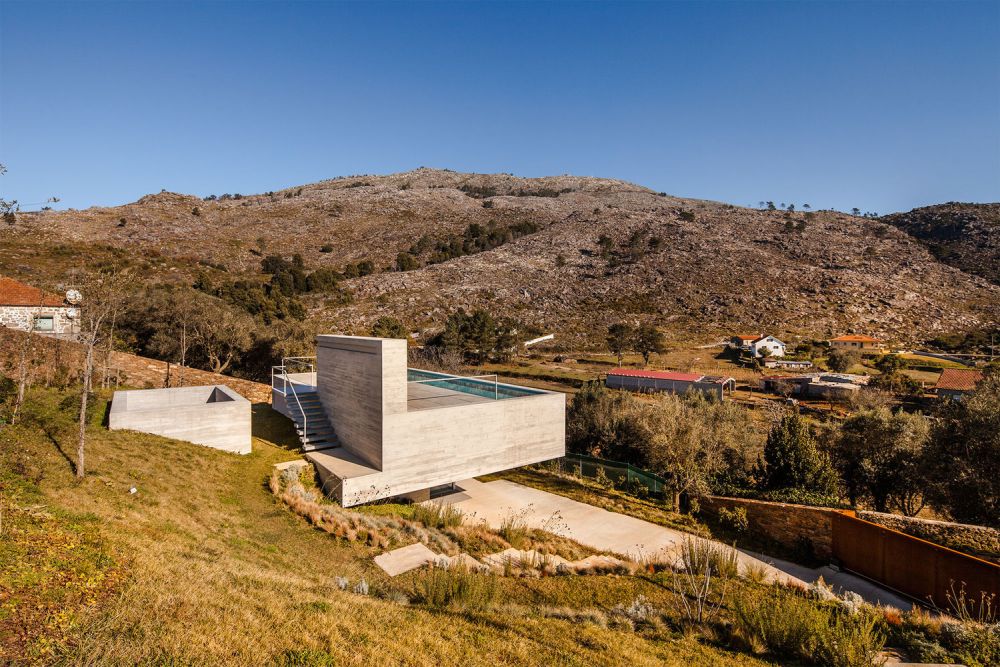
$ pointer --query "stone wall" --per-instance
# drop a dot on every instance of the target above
(23, 318)
(789, 525)
(58, 360)
(974, 540)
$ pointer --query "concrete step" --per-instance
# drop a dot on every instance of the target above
(313, 432)
(319, 438)
(318, 446)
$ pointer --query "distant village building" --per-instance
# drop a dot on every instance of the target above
(769, 345)
(857, 343)
(788, 363)
(669, 381)
(30, 309)
(955, 383)
(742, 341)
(815, 385)
(755, 344)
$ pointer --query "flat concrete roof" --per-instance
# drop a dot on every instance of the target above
(341, 463)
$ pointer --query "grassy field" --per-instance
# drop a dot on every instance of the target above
(203, 566)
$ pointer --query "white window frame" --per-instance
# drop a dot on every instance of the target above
(44, 316)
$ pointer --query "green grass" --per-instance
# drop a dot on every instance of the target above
(203, 565)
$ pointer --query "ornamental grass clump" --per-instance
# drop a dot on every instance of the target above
(377, 531)
(438, 515)
(455, 587)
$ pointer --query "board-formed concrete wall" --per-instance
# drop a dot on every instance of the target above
(214, 415)
(362, 383)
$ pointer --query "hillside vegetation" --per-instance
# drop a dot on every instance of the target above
(566, 254)
(966, 236)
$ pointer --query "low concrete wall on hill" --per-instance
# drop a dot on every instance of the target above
(789, 525)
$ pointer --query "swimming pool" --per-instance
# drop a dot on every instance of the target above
(475, 386)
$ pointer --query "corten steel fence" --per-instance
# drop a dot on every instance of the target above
(616, 471)
(923, 570)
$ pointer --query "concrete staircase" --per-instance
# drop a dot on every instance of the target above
(314, 429)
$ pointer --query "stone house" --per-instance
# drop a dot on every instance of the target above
(28, 308)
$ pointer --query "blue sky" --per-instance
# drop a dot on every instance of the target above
(883, 106)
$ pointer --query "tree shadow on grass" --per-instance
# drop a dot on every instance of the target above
(53, 436)
(270, 425)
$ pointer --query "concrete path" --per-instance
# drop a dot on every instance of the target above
(493, 502)
(405, 559)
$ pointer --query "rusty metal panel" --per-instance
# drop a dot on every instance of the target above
(923, 570)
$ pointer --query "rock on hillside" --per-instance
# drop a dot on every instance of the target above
(694, 267)
(966, 236)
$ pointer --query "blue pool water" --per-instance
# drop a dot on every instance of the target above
(477, 387)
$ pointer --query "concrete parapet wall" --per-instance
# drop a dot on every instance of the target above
(214, 416)
(429, 448)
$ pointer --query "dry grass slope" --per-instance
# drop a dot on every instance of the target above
(204, 566)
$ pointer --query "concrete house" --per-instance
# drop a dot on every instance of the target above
(377, 429)
(30, 309)
(772, 345)
(669, 381)
(955, 383)
(858, 343)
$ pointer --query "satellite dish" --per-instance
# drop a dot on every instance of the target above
(73, 296)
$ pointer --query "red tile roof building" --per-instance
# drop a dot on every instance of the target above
(30, 309)
(675, 382)
(16, 293)
(957, 381)
(857, 342)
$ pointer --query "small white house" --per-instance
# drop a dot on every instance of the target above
(770, 344)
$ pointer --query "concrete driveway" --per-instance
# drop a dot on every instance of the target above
(494, 502)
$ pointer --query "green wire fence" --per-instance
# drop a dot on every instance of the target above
(616, 471)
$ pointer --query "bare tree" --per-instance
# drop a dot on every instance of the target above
(104, 298)
(25, 363)
(222, 333)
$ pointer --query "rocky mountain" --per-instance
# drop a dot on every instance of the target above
(564, 254)
(966, 236)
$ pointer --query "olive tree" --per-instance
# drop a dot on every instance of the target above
(964, 456)
(880, 457)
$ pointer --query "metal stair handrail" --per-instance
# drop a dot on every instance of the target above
(285, 383)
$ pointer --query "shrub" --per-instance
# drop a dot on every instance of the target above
(601, 478)
(734, 519)
(456, 586)
(785, 624)
(698, 554)
(849, 640)
(326, 247)
(699, 563)
(774, 622)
